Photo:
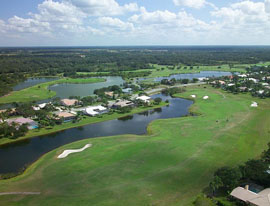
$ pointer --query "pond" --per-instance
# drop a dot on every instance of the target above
(32, 82)
(67, 90)
(15, 156)
(82, 90)
(190, 76)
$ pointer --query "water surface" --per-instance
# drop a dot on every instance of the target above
(190, 76)
(82, 90)
(15, 156)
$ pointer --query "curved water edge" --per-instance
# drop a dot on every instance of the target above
(15, 156)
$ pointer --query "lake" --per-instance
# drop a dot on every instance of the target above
(15, 156)
(190, 76)
(82, 90)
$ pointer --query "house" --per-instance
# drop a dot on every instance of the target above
(69, 102)
(260, 92)
(254, 80)
(123, 103)
(231, 85)
(110, 94)
(127, 91)
(242, 75)
(66, 116)
(144, 98)
(242, 89)
(21, 120)
(95, 110)
(39, 107)
(256, 199)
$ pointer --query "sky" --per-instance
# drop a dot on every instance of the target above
(134, 22)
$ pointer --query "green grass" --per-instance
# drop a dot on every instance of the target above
(40, 91)
(85, 121)
(169, 166)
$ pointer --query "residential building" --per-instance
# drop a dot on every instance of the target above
(144, 98)
(69, 102)
(123, 103)
(110, 94)
(66, 116)
(251, 198)
(21, 120)
(95, 110)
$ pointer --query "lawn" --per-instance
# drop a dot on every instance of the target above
(169, 166)
(40, 91)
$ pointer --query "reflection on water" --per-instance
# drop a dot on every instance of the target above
(126, 118)
(15, 156)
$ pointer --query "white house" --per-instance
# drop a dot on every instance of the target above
(144, 98)
(95, 110)
(254, 80)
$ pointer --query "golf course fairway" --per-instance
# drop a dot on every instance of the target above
(168, 166)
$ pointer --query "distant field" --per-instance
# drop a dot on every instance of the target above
(40, 91)
(167, 167)
(164, 71)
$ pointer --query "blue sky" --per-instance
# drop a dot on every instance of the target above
(138, 22)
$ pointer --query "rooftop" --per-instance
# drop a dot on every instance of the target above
(69, 102)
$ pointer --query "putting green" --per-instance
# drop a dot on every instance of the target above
(169, 166)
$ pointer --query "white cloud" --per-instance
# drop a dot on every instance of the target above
(103, 7)
(197, 4)
(115, 23)
(166, 18)
(267, 6)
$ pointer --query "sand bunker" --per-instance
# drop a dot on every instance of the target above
(205, 97)
(254, 104)
(70, 151)
(193, 96)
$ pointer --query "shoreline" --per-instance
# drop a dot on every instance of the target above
(80, 124)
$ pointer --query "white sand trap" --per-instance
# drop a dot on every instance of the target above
(70, 151)
(254, 104)
(205, 97)
(193, 96)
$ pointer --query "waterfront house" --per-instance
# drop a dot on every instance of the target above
(66, 116)
(123, 103)
(144, 98)
(69, 102)
(95, 110)
(21, 120)
(251, 198)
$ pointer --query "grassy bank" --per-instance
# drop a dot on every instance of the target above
(40, 91)
(85, 121)
(170, 166)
